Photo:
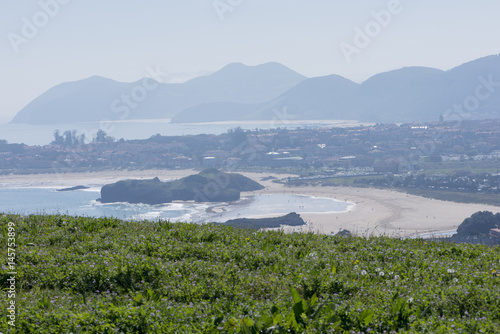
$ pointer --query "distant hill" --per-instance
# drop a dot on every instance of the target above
(316, 98)
(96, 98)
(210, 185)
(272, 91)
(403, 95)
(215, 112)
(307, 100)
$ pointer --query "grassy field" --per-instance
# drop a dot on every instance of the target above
(84, 275)
(453, 196)
(450, 167)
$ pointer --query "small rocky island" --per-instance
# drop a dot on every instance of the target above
(291, 219)
(210, 185)
(73, 188)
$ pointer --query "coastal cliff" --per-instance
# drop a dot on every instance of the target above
(210, 185)
(291, 219)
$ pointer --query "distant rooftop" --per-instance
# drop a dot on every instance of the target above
(495, 232)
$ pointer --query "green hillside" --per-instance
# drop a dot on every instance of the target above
(84, 275)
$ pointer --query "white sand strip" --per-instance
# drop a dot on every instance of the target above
(376, 212)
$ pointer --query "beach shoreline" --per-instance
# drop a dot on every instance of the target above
(376, 211)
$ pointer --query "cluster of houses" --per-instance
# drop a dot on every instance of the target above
(384, 148)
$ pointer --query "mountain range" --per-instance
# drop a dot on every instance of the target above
(95, 99)
(270, 91)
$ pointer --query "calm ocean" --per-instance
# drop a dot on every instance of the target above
(49, 201)
(83, 202)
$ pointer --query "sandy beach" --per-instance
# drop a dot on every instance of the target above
(376, 212)
(383, 212)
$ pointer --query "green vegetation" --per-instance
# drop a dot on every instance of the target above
(430, 187)
(352, 181)
(85, 275)
(451, 167)
(453, 196)
(209, 185)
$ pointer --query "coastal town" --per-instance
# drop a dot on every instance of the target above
(452, 157)
(382, 148)
(237, 167)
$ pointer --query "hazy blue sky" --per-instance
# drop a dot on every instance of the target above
(119, 39)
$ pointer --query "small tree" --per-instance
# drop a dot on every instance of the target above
(58, 139)
(102, 137)
(237, 135)
(69, 137)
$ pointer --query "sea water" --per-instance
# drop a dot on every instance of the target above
(273, 205)
(84, 203)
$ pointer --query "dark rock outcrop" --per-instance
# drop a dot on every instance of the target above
(210, 185)
(73, 188)
(480, 223)
(291, 219)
